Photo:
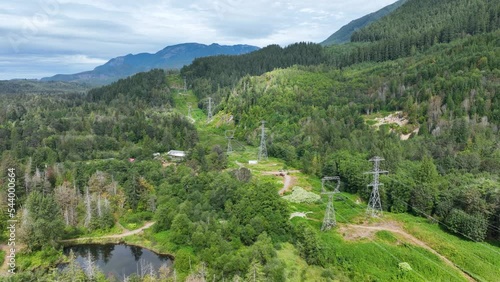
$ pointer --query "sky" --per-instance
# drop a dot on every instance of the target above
(46, 37)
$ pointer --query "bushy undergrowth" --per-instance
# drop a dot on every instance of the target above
(300, 195)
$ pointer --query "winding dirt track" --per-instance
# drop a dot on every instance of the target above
(360, 231)
(121, 235)
(288, 180)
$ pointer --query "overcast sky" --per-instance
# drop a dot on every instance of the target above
(45, 37)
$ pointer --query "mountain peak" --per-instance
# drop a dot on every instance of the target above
(170, 57)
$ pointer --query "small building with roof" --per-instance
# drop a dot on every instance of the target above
(176, 155)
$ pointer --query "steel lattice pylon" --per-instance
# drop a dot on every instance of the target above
(329, 220)
(374, 208)
(229, 136)
(262, 147)
(209, 113)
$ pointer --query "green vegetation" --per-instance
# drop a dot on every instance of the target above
(344, 34)
(403, 32)
(480, 260)
(28, 86)
(86, 162)
(299, 195)
(218, 74)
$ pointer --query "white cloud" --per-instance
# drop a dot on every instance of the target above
(76, 35)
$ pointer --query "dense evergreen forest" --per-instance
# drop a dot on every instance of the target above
(91, 163)
(216, 74)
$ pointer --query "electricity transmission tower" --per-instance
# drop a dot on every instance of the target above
(209, 116)
(185, 85)
(374, 207)
(189, 111)
(329, 220)
(229, 136)
(262, 147)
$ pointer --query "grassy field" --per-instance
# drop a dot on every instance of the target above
(479, 260)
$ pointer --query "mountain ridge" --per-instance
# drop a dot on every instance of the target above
(343, 35)
(170, 57)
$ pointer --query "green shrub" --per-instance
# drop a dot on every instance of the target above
(300, 195)
(473, 227)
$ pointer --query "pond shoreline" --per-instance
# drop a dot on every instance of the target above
(112, 241)
(116, 239)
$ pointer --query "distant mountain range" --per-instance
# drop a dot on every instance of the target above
(343, 35)
(171, 57)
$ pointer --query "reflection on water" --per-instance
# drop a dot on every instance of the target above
(118, 260)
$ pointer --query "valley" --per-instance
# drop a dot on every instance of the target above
(224, 165)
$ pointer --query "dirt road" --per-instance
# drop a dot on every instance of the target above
(353, 232)
(121, 235)
(288, 180)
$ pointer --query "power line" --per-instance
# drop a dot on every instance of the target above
(374, 208)
(433, 218)
(262, 147)
(399, 260)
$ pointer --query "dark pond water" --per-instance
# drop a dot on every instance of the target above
(118, 260)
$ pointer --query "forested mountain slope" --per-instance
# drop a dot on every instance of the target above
(448, 95)
(343, 35)
(90, 164)
(216, 74)
(419, 24)
(105, 123)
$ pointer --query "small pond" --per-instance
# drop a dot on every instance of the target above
(118, 260)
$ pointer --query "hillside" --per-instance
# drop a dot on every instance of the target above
(201, 206)
(96, 167)
(343, 35)
(219, 74)
(444, 21)
(171, 57)
(403, 33)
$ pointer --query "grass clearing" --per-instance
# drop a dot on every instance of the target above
(386, 236)
(378, 260)
(479, 260)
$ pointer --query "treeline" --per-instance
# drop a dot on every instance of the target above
(31, 86)
(200, 209)
(149, 87)
(211, 75)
